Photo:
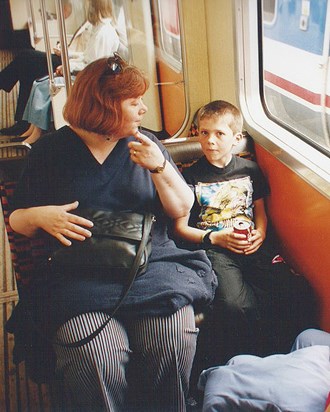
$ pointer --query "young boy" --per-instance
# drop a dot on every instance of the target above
(229, 189)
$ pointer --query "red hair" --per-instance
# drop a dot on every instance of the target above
(94, 102)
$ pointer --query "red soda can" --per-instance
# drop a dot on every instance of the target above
(243, 227)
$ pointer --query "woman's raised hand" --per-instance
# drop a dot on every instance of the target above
(145, 152)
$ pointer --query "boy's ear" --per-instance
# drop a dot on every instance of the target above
(238, 138)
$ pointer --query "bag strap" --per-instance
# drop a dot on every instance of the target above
(148, 220)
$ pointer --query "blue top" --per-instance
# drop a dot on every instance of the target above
(60, 169)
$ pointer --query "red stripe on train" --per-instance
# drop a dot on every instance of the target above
(309, 96)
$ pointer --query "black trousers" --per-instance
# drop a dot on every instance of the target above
(259, 306)
(26, 67)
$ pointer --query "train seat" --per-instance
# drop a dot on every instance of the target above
(19, 391)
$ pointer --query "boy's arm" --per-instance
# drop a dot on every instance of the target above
(260, 221)
(260, 217)
(225, 238)
(186, 232)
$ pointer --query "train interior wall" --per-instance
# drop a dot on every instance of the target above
(300, 216)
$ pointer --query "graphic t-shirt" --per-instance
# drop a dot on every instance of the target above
(224, 195)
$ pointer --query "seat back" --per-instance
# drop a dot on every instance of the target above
(25, 253)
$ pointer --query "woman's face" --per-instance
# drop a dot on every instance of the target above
(133, 110)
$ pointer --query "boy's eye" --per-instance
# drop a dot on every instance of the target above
(203, 133)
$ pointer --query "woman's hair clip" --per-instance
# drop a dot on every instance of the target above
(115, 64)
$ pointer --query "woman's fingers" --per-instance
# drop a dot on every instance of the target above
(72, 232)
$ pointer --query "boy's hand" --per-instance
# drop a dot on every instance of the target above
(227, 239)
(256, 240)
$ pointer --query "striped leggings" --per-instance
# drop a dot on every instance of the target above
(140, 366)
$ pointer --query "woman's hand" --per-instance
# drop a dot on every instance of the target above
(145, 152)
(63, 225)
(55, 220)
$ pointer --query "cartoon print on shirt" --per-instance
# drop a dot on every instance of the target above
(224, 202)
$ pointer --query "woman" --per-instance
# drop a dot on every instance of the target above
(102, 40)
(102, 161)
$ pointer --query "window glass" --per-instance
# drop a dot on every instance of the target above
(169, 65)
(170, 31)
(295, 61)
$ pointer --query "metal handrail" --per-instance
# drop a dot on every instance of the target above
(64, 46)
(32, 20)
(47, 40)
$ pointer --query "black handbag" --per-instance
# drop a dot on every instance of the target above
(113, 248)
(119, 248)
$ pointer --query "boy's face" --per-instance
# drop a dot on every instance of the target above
(217, 139)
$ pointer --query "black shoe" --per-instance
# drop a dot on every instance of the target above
(16, 130)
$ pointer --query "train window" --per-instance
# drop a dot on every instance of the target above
(295, 56)
(121, 27)
(169, 31)
(170, 70)
(282, 54)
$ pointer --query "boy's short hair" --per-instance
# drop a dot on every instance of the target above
(219, 108)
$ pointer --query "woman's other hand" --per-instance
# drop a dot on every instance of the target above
(55, 220)
(63, 225)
